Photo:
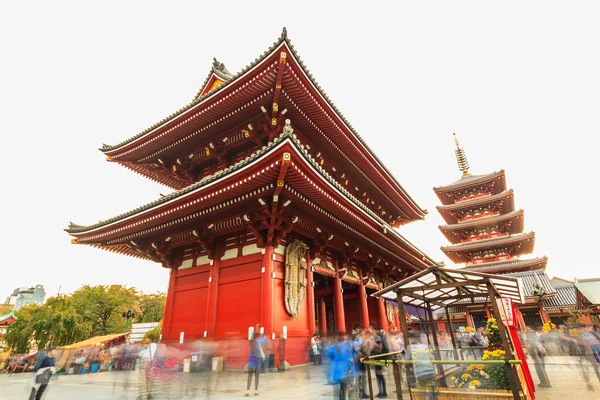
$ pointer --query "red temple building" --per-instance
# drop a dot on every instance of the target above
(280, 215)
(486, 234)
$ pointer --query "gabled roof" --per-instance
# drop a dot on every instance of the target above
(217, 72)
(410, 209)
(590, 288)
(5, 317)
(565, 297)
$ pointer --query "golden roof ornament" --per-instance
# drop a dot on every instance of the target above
(461, 158)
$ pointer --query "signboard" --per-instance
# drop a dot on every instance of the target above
(505, 306)
(181, 338)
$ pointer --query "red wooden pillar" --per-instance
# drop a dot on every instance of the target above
(213, 289)
(310, 296)
(487, 312)
(267, 290)
(520, 320)
(543, 313)
(468, 317)
(338, 300)
(166, 328)
(381, 315)
(362, 301)
(322, 317)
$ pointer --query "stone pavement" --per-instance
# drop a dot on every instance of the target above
(305, 382)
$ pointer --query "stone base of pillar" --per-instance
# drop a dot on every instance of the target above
(284, 366)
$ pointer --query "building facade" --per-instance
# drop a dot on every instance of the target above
(27, 295)
(281, 214)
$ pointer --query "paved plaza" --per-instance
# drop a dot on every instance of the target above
(305, 382)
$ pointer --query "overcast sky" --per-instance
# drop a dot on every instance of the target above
(518, 82)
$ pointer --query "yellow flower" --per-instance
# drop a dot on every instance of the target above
(452, 378)
(475, 383)
(465, 377)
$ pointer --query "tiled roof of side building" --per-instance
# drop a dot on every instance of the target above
(283, 38)
(565, 297)
(530, 277)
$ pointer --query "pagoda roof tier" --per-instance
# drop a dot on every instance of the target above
(505, 199)
(529, 264)
(228, 198)
(277, 80)
(512, 221)
(521, 244)
(497, 178)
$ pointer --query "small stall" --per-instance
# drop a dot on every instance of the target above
(438, 288)
(91, 355)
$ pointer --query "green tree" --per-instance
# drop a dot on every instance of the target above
(102, 306)
(19, 335)
(153, 335)
(150, 307)
(56, 322)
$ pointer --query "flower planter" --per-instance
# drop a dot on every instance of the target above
(461, 393)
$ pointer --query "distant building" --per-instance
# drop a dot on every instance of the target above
(23, 296)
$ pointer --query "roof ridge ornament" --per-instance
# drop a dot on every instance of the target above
(461, 158)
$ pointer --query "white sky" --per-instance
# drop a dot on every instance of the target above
(518, 82)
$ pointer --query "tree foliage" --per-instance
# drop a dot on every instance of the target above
(102, 306)
(89, 311)
(150, 307)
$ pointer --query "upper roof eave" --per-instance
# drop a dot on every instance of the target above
(468, 181)
(475, 201)
(283, 40)
(76, 230)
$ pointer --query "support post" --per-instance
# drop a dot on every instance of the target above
(362, 301)
(456, 353)
(267, 291)
(381, 314)
(213, 288)
(322, 317)
(310, 295)
(410, 376)
(543, 312)
(438, 355)
(338, 299)
(515, 384)
(166, 328)
(370, 382)
(397, 380)
(487, 312)
(468, 317)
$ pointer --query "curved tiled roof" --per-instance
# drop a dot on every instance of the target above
(475, 201)
(507, 264)
(469, 179)
(282, 39)
(488, 242)
(565, 297)
(78, 229)
(480, 221)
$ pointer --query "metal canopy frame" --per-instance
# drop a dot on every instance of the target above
(445, 287)
(438, 287)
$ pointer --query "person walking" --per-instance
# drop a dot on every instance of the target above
(537, 352)
(379, 347)
(256, 359)
(423, 369)
(44, 369)
(147, 367)
(342, 358)
(315, 344)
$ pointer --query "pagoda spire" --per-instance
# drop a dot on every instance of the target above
(461, 158)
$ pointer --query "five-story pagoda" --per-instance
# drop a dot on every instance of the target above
(281, 215)
(486, 234)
